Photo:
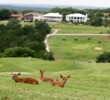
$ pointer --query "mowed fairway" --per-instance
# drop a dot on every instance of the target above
(87, 81)
(78, 48)
(71, 28)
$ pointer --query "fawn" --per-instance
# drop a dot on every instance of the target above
(24, 80)
(44, 79)
(60, 83)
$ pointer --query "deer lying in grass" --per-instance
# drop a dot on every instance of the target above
(60, 83)
(24, 80)
(44, 79)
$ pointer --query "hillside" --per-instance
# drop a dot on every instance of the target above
(20, 8)
(41, 7)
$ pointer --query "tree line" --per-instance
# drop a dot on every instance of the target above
(96, 16)
(24, 41)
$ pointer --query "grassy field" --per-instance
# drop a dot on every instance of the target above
(71, 28)
(67, 28)
(78, 48)
(87, 81)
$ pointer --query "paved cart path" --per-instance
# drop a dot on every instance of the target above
(56, 30)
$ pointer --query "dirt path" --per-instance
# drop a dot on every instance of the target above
(56, 30)
(46, 40)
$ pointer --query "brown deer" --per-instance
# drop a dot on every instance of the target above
(44, 79)
(60, 83)
(24, 80)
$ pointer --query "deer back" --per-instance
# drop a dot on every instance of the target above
(45, 79)
(24, 80)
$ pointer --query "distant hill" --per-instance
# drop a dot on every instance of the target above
(25, 7)
(39, 7)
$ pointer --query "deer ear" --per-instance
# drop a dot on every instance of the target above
(19, 73)
(61, 76)
(68, 76)
(41, 71)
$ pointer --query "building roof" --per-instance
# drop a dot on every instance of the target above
(33, 13)
(53, 14)
(76, 15)
(16, 15)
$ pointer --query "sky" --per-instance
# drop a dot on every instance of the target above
(94, 3)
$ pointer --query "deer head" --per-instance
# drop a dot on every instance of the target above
(64, 78)
(60, 83)
(14, 76)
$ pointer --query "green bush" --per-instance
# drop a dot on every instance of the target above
(45, 55)
(19, 52)
(105, 57)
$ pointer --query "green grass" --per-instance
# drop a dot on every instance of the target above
(87, 81)
(71, 28)
(82, 49)
(4, 22)
(32, 65)
(67, 28)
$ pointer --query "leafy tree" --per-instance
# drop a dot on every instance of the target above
(4, 14)
(13, 24)
(45, 55)
(96, 21)
(2, 27)
(19, 52)
(14, 12)
(106, 22)
(26, 11)
(28, 40)
(35, 45)
(28, 30)
(42, 27)
(105, 57)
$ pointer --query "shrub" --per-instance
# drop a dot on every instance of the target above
(105, 57)
(45, 55)
(1, 55)
(99, 42)
(75, 39)
(19, 52)
(89, 38)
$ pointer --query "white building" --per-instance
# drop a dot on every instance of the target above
(56, 17)
(77, 17)
(33, 16)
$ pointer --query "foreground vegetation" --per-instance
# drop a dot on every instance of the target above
(86, 81)
(17, 40)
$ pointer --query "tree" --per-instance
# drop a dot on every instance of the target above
(96, 21)
(5, 14)
(105, 57)
(13, 24)
(42, 27)
(35, 45)
(28, 40)
(26, 11)
(106, 22)
(19, 52)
